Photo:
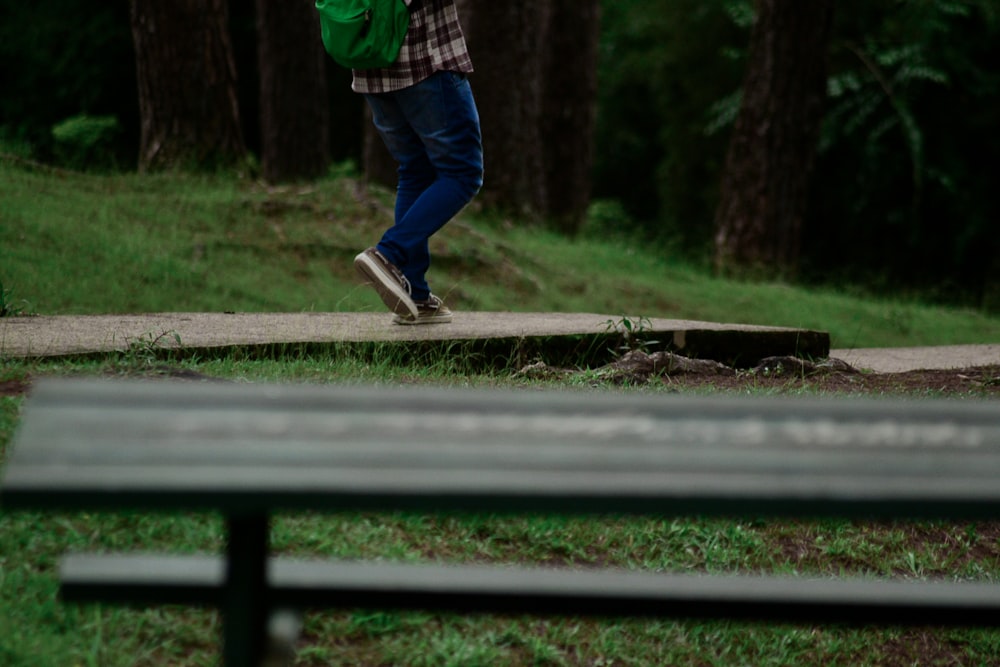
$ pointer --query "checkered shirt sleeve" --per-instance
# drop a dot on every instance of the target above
(434, 43)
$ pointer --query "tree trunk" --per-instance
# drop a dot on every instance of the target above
(507, 40)
(766, 178)
(569, 110)
(186, 74)
(536, 89)
(294, 116)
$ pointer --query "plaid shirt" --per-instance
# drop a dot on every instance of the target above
(433, 43)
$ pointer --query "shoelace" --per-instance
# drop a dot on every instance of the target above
(432, 303)
(396, 273)
(403, 279)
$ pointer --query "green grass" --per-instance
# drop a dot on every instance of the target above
(72, 243)
(39, 630)
(79, 243)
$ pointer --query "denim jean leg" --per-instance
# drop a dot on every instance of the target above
(432, 129)
(415, 171)
(415, 177)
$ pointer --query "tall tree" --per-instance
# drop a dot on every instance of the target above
(536, 87)
(294, 116)
(765, 182)
(569, 109)
(189, 113)
(507, 40)
(536, 90)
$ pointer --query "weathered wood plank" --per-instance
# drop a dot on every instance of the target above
(198, 580)
(260, 448)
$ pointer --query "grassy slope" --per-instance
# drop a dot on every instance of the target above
(82, 244)
(73, 243)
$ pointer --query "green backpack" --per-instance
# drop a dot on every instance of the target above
(363, 34)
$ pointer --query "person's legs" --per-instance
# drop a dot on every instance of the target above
(432, 130)
(376, 265)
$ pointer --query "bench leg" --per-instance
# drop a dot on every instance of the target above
(244, 610)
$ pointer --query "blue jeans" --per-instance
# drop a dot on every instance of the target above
(432, 130)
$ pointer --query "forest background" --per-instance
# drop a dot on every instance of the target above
(634, 105)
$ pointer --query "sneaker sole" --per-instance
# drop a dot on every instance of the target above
(391, 292)
(401, 319)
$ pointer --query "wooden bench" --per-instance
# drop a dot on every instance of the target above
(249, 451)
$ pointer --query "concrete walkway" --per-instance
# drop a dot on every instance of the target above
(901, 359)
(577, 338)
(534, 333)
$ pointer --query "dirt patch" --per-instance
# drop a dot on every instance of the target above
(970, 382)
(773, 375)
(790, 375)
(17, 387)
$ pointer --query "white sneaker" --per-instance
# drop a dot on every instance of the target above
(390, 283)
(431, 311)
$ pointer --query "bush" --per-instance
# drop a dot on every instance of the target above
(86, 142)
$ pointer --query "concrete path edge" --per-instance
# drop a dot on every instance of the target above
(583, 338)
(577, 339)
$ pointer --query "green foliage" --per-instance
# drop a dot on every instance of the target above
(632, 331)
(900, 196)
(899, 199)
(14, 144)
(143, 353)
(607, 218)
(9, 307)
(663, 65)
(86, 142)
(60, 58)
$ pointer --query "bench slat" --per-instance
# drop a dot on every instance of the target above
(199, 580)
(231, 447)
